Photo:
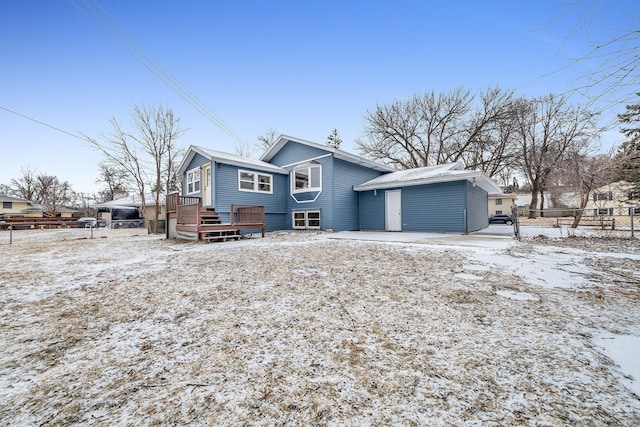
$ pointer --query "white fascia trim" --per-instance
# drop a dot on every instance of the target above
(301, 162)
(293, 196)
(256, 168)
(187, 159)
(338, 154)
(483, 182)
(193, 149)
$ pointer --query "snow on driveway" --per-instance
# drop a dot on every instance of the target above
(317, 328)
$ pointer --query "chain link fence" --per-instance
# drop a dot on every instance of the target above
(618, 222)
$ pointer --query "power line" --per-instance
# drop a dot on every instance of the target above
(46, 124)
(98, 15)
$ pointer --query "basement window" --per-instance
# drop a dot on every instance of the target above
(306, 220)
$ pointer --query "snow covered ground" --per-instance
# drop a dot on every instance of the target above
(318, 328)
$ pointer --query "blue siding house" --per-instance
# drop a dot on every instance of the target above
(305, 185)
(321, 180)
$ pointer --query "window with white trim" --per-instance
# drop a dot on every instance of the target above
(255, 181)
(7, 205)
(308, 178)
(602, 196)
(498, 201)
(603, 211)
(193, 181)
(306, 219)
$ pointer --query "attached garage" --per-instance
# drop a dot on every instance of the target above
(442, 198)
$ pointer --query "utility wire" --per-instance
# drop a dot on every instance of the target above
(110, 27)
(45, 124)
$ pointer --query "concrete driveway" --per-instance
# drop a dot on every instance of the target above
(493, 233)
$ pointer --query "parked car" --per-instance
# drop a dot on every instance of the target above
(501, 219)
(88, 222)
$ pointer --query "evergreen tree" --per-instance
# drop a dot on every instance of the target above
(629, 154)
(334, 139)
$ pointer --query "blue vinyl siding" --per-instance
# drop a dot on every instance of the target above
(323, 203)
(196, 162)
(346, 201)
(372, 210)
(294, 152)
(227, 193)
(436, 207)
(477, 204)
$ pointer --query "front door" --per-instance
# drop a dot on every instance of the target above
(206, 188)
(393, 206)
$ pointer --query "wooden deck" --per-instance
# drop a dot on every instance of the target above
(204, 223)
(26, 222)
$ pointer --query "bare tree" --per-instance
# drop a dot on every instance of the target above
(488, 143)
(267, 139)
(613, 64)
(53, 193)
(243, 148)
(334, 140)
(147, 154)
(26, 186)
(546, 130)
(440, 128)
(6, 190)
(588, 170)
(173, 181)
(115, 180)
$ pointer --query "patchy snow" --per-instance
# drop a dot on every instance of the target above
(317, 328)
(625, 352)
(468, 276)
(521, 296)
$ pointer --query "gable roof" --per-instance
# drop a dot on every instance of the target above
(430, 175)
(227, 159)
(338, 154)
(5, 198)
(133, 201)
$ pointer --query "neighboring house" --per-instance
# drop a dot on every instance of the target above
(15, 206)
(128, 210)
(305, 185)
(617, 198)
(501, 204)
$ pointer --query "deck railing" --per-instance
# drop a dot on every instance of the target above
(189, 214)
(247, 214)
(175, 199)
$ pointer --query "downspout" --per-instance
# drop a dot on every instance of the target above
(466, 205)
(466, 225)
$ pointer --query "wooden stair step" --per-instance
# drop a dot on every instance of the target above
(206, 221)
(221, 235)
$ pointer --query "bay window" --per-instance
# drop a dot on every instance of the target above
(307, 178)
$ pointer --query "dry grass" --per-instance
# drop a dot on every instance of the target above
(297, 329)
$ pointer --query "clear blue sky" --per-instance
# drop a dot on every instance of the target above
(300, 67)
